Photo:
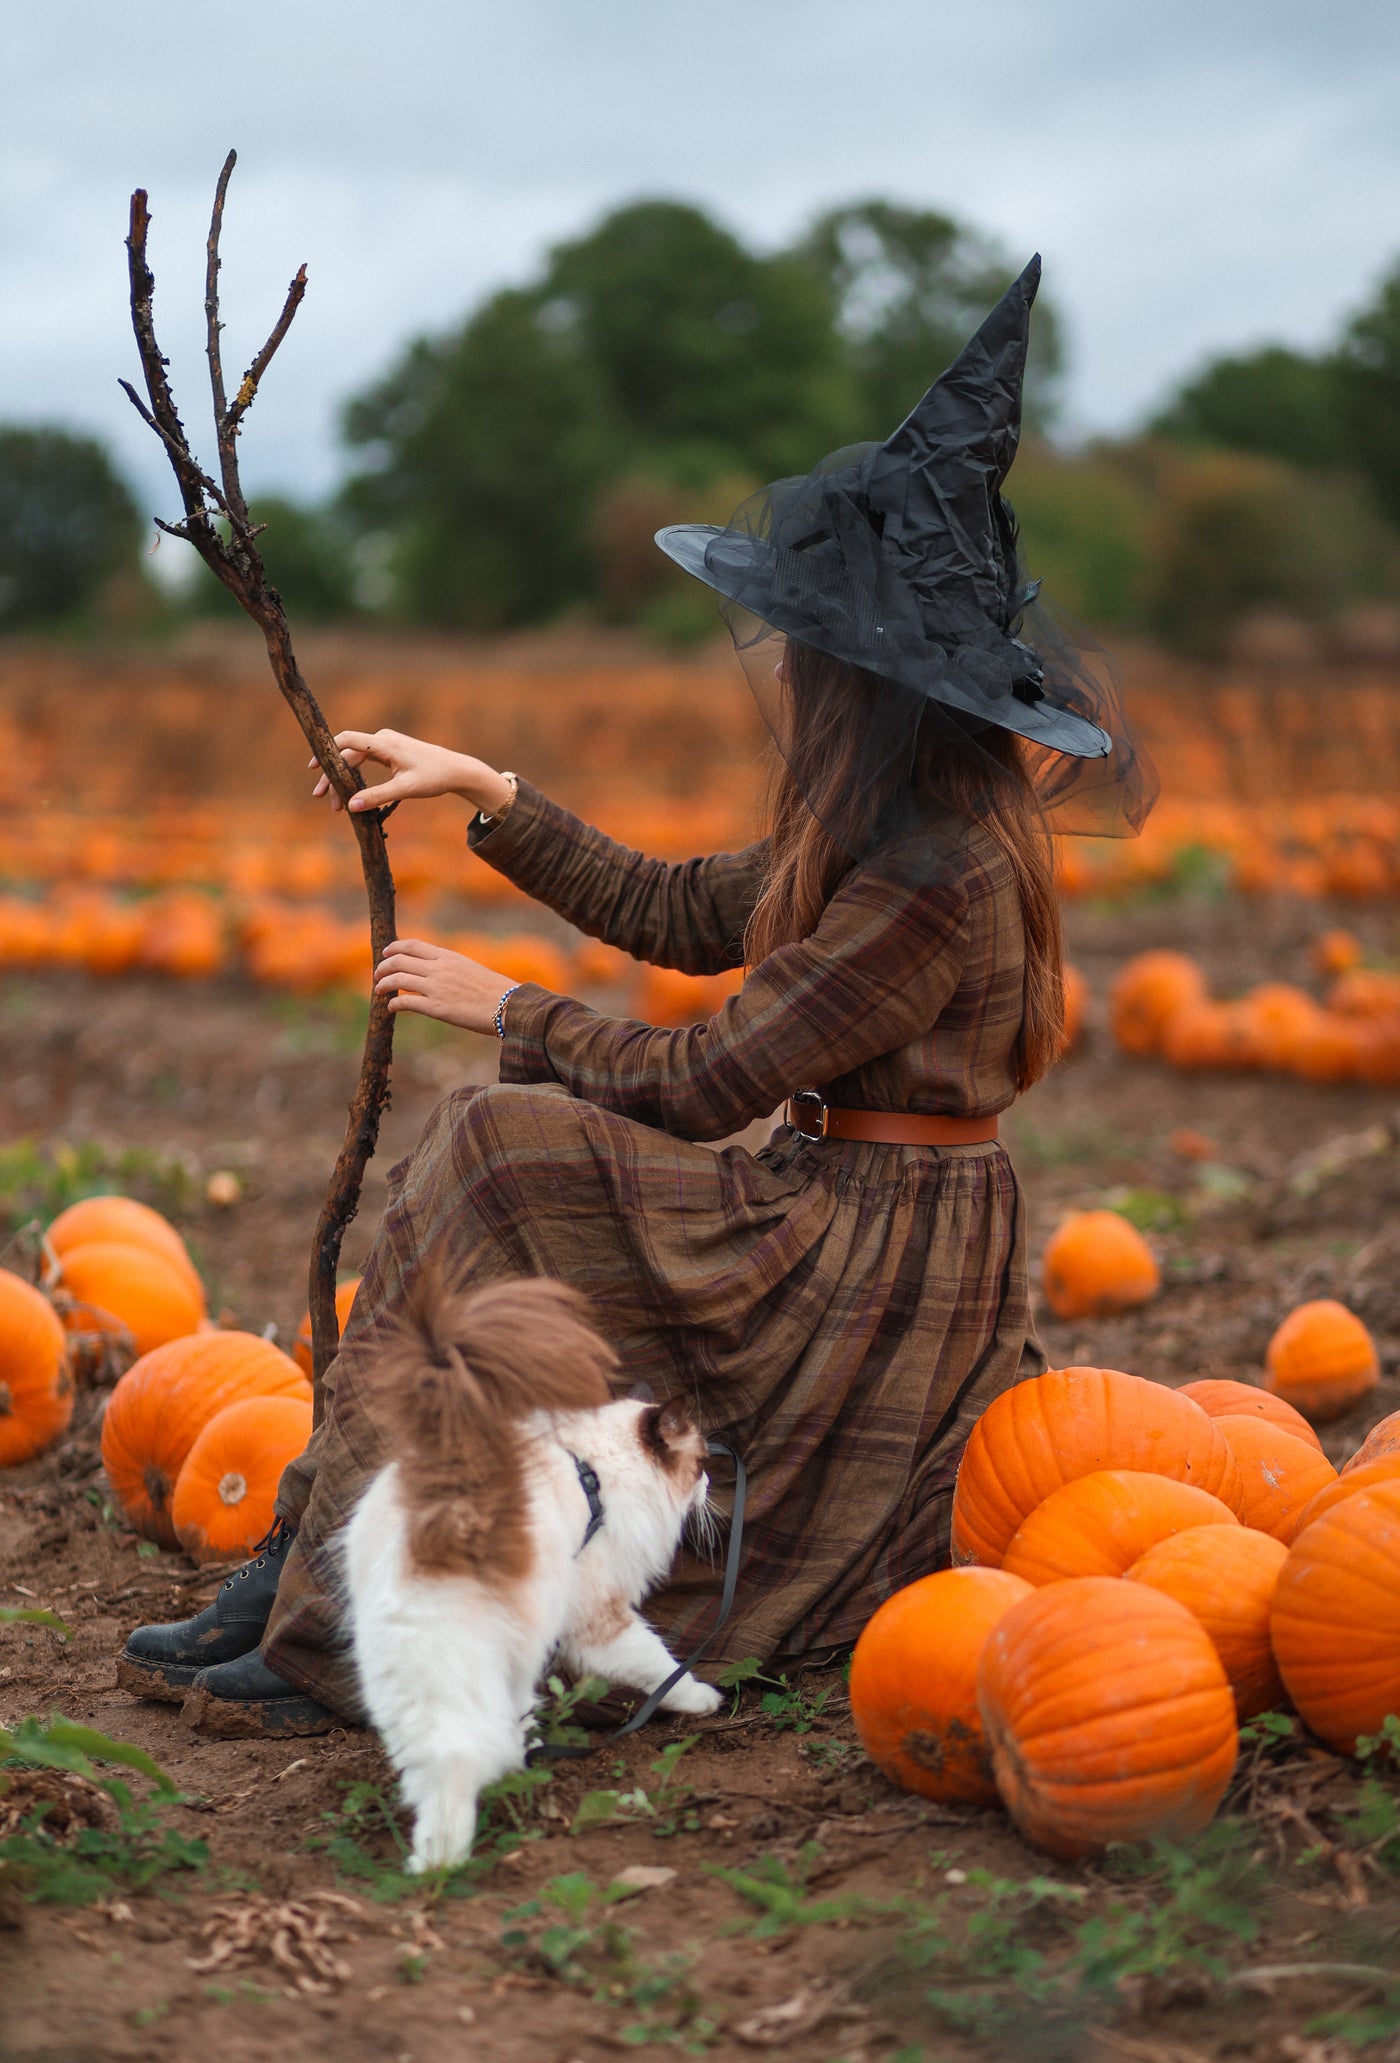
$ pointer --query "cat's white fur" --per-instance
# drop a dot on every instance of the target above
(449, 1663)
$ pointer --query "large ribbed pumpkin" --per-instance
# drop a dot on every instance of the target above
(1280, 1475)
(224, 1494)
(36, 1388)
(1098, 1263)
(1383, 1438)
(122, 1221)
(1108, 1716)
(1322, 1359)
(1385, 1469)
(162, 1404)
(914, 1682)
(1219, 1398)
(1336, 1617)
(115, 1290)
(1226, 1575)
(1068, 1423)
(1100, 1524)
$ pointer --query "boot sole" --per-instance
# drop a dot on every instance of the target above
(254, 1718)
(166, 1682)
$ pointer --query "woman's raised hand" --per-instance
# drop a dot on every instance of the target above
(416, 771)
(433, 982)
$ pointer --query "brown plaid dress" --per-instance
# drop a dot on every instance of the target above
(840, 1312)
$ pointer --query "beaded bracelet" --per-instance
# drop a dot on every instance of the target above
(501, 1010)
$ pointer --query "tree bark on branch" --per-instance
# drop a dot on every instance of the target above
(217, 524)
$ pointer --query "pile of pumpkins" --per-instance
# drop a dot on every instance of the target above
(1137, 1571)
(197, 1431)
(1160, 1005)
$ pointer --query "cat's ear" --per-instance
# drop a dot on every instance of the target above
(665, 1426)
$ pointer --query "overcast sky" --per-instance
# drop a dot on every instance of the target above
(1199, 174)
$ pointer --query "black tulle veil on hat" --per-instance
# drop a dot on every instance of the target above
(900, 561)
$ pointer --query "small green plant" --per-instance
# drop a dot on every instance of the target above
(791, 1709)
(129, 1851)
(37, 1182)
(365, 1839)
(32, 1615)
(1383, 1746)
(552, 1723)
(780, 1896)
(664, 1804)
(569, 1932)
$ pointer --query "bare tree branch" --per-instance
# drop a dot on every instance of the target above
(238, 564)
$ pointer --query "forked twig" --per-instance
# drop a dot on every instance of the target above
(235, 559)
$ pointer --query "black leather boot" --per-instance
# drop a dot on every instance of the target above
(163, 1661)
(246, 1697)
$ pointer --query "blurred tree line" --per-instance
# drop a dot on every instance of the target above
(657, 370)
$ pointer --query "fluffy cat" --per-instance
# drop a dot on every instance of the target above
(465, 1563)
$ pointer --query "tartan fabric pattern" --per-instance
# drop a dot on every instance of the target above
(840, 1312)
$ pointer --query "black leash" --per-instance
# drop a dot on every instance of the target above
(559, 1751)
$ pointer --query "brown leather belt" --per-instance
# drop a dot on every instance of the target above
(808, 1113)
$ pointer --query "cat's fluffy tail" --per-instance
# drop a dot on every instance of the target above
(451, 1389)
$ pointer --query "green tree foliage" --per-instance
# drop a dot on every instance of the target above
(1368, 374)
(657, 370)
(908, 286)
(67, 525)
(1275, 403)
(309, 557)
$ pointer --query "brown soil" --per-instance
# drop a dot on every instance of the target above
(219, 1077)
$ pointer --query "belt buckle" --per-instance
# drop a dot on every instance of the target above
(796, 1101)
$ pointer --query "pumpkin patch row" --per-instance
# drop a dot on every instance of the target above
(1160, 1006)
(1137, 1571)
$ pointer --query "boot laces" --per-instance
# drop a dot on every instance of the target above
(277, 1539)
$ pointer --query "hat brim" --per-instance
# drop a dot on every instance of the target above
(1044, 722)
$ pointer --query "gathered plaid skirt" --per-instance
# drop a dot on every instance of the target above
(839, 1312)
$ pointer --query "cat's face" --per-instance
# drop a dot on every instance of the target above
(675, 1445)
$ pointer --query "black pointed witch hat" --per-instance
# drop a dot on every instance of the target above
(900, 557)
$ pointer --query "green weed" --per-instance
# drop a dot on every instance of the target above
(790, 1708)
(130, 1854)
(780, 1896)
(552, 1723)
(37, 1182)
(569, 1932)
(664, 1804)
(364, 1839)
(32, 1615)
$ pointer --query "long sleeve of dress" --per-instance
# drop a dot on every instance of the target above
(690, 915)
(874, 975)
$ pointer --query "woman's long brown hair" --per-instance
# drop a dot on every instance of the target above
(983, 781)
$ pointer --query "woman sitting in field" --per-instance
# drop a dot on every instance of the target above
(842, 1305)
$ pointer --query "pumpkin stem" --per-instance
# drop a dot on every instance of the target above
(233, 1488)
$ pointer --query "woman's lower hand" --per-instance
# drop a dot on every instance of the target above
(433, 982)
(417, 770)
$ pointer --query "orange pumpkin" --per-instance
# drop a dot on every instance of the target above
(1097, 1263)
(225, 1492)
(1108, 1716)
(344, 1298)
(1210, 1036)
(123, 1221)
(115, 1290)
(36, 1388)
(1383, 1438)
(1100, 1524)
(1335, 952)
(1322, 1359)
(1365, 992)
(1280, 1474)
(914, 1682)
(162, 1404)
(1226, 1575)
(1282, 1017)
(1066, 1424)
(1386, 1469)
(1149, 990)
(1221, 1399)
(1331, 1049)
(1336, 1618)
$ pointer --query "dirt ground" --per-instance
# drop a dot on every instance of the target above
(851, 1913)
